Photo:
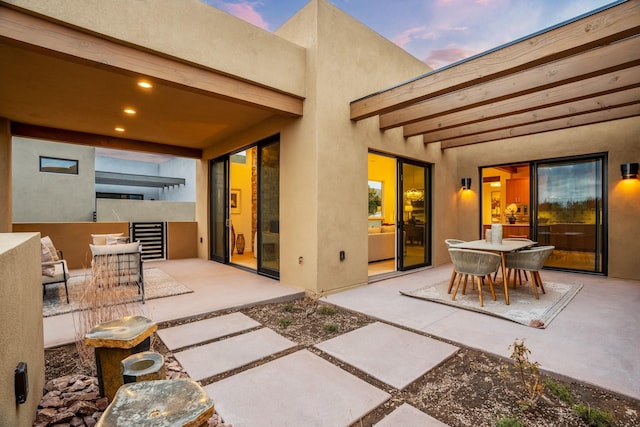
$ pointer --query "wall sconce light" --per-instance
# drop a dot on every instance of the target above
(466, 183)
(629, 170)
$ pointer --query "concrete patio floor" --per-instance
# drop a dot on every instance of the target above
(593, 340)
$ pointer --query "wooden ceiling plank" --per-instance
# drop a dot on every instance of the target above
(608, 101)
(606, 26)
(563, 123)
(582, 89)
(620, 55)
(20, 28)
(95, 140)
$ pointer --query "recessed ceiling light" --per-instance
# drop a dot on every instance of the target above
(119, 129)
(129, 111)
(144, 84)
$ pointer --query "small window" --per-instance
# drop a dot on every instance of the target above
(51, 164)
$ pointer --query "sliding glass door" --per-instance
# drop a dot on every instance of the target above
(219, 209)
(414, 203)
(269, 208)
(569, 212)
(245, 208)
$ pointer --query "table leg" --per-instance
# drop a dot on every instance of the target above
(505, 279)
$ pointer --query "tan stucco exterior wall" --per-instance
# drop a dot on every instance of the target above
(190, 30)
(5, 176)
(620, 139)
(21, 334)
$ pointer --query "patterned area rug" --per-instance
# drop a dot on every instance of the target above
(157, 284)
(523, 306)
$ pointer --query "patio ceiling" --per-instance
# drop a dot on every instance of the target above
(578, 73)
(63, 84)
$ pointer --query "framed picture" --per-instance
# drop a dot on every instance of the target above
(52, 164)
(375, 199)
(235, 201)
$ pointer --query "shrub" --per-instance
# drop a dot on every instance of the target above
(509, 422)
(327, 310)
(560, 391)
(288, 308)
(330, 327)
(593, 417)
(529, 374)
(284, 322)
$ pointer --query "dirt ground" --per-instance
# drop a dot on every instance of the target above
(468, 389)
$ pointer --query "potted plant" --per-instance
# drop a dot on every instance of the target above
(511, 213)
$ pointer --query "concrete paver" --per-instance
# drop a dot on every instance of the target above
(212, 359)
(392, 355)
(408, 416)
(299, 389)
(205, 330)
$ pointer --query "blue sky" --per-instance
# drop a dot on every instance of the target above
(438, 32)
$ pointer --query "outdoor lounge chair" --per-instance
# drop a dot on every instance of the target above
(478, 264)
(531, 260)
(54, 266)
(119, 264)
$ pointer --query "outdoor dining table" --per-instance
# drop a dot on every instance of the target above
(501, 248)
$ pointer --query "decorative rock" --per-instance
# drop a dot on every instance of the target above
(76, 422)
(102, 403)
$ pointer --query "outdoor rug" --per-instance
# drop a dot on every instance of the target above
(523, 306)
(157, 284)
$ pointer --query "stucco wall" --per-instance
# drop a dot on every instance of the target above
(214, 38)
(21, 334)
(143, 210)
(44, 196)
(618, 138)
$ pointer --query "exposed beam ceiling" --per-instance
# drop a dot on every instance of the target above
(579, 73)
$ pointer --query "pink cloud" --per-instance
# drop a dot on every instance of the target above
(438, 58)
(416, 33)
(246, 11)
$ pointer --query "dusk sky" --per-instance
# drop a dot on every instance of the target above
(439, 32)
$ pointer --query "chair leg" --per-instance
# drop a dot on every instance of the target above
(535, 288)
(536, 276)
(493, 292)
(453, 278)
(455, 289)
(464, 286)
(479, 289)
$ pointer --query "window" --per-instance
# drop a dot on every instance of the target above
(54, 165)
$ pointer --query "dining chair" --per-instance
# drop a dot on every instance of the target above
(450, 242)
(517, 239)
(478, 264)
(531, 260)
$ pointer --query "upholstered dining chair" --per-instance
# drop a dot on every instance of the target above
(450, 242)
(518, 239)
(531, 260)
(478, 264)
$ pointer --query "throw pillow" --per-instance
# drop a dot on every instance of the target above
(48, 270)
(49, 252)
(113, 240)
(101, 239)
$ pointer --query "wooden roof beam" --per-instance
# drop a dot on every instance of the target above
(53, 39)
(582, 89)
(603, 102)
(623, 54)
(558, 124)
(604, 27)
(95, 140)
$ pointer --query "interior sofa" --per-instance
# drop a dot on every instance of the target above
(382, 243)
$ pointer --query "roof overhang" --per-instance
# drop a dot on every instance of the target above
(60, 79)
(577, 73)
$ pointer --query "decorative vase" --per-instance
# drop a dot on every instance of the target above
(240, 243)
(512, 220)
